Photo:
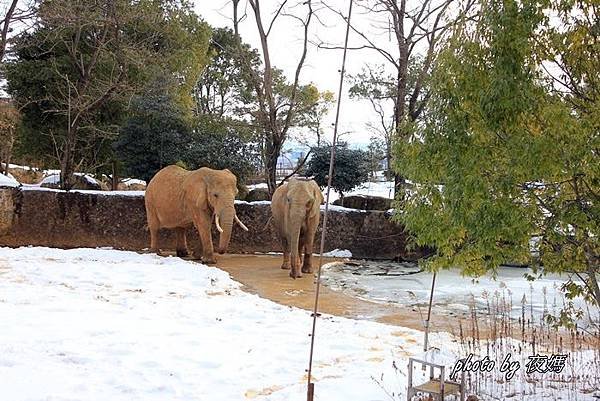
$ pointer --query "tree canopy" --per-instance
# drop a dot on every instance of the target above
(506, 166)
(75, 73)
(156, 133)
(351, 167)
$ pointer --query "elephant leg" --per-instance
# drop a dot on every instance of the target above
(154, 240)
(202, 224)
(295, 270)
(286, 253)
(308, 251)
(153, 227)
(301, 244)
(181, 248)
(295, 261)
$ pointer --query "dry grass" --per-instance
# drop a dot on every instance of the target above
(493, 331)
(26, 176)
(527, 336)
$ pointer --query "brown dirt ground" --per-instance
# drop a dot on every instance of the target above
(262, 275)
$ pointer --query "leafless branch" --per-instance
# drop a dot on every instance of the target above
(298, 167)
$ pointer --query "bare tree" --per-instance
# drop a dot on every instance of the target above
(9, 119)
(376, 86)
(91, 35)
(274, 116)
(14, 15)
(311, 120)
(415, 31)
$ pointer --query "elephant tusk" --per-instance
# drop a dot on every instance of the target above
(237, 220)
(217, 223)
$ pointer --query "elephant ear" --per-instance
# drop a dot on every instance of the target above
(318, 193)
(198, 192)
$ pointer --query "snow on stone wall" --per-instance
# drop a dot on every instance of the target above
(93, 219)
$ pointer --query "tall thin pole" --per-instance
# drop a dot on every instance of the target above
(426, 342)
(311, 386)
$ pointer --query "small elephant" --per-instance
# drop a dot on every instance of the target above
(177, 198)
(296, 208)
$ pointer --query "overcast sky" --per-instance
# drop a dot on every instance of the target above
(322, 65)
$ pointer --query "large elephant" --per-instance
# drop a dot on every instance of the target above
(177, 198)
(296, 208)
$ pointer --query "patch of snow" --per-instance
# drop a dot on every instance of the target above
(384, 189)
(132, 181)
(86, 191)
(55, 179)
(255, 186)
(241, 202)
(342, 209)
(8, 181)
(338, 253)
(51, 179)
(22, 167)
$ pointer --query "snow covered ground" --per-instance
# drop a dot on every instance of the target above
(377, 188)
(8, 181)
(384, 189)
(99, 324)
(52, 176)
(55, 179)
(91, 324)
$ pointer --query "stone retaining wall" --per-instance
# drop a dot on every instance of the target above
(102, 219)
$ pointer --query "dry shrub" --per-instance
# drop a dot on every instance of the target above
(124, 186)
(26, 176)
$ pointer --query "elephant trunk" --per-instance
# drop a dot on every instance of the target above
(226, 222)
(296, 220)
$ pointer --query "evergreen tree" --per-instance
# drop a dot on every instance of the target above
(351, 167)
(220, 143)
(156, 134)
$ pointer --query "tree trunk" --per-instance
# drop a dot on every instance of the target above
(593, 281)
(66, 171)
(7, 164)
(399, 180)
(66, 163)
(6, 28)
(115, 178)
(273, 150)
(388, 158)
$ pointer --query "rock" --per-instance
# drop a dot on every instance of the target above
(258, 194)
(365, 202)
(130, 184)
(6, 210)
(81, 181)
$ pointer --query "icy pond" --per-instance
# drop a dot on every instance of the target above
(455, 295)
